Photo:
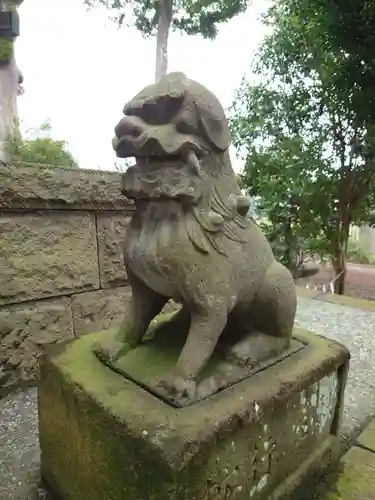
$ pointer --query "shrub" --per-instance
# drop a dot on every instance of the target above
(40, 149)
(358, 255)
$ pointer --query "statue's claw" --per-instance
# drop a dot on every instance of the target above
(110, 350)
(177, 388)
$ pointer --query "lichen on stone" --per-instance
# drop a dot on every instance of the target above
(6, 50)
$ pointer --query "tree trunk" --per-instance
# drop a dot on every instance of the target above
(339, 259)
(339, 266)
(9, 80)
(288, 254)
(164, 24)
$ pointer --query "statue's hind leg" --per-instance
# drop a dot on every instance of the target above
(144, 305)
(272, 315)
(276, 302)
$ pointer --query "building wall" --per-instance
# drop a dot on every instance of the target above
(364, 236)
(61, 269)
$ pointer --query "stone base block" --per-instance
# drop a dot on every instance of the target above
(103, 437)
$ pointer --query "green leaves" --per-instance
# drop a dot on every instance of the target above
(331, 41)
(189, 16)
(42, 150)
(281, 165)
(306, 132)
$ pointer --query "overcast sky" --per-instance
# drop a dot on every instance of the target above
(79, 69)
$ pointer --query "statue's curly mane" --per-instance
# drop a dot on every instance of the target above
(216, 217)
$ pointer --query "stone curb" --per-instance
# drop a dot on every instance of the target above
(355, 477)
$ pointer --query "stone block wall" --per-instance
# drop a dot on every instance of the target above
(61, 269)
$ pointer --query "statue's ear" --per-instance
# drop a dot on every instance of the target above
(215, 128)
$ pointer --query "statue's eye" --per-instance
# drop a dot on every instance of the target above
(159, 110)
(187, 124)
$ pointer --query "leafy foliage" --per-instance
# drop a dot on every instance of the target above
(188, 16)
(358, 255)
(306, 139)
(283, 164)
(335, 39)
(40, 148)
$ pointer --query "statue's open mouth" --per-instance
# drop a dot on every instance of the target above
(163, 178)
(155, 163)
(167, 162)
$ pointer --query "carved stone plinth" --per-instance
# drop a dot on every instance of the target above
(103, 436)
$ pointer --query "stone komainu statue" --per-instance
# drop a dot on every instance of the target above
(190, 239)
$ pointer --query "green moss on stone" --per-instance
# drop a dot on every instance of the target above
(367, 437)
(6, 49)
(103, 436)
(99, 445)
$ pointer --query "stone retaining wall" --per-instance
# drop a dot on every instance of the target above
(61, 269)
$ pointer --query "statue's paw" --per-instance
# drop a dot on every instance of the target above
(177, 388)
(110, 350)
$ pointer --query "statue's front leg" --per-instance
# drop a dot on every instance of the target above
(144, 305)
(205, 329)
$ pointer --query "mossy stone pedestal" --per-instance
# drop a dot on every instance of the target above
(103, 437)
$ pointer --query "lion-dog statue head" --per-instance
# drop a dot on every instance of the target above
(190, 239)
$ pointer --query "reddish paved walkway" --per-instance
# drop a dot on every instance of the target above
(357, 274)
(360, 280)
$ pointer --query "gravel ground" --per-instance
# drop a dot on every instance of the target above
(19, 463)
(355, 329)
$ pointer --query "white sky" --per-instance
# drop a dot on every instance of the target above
(80, 69)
